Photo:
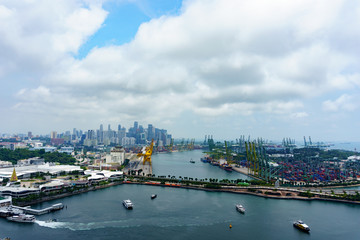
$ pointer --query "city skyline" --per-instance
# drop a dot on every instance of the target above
(224, 68)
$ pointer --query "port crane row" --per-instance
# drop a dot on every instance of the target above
(285, 162)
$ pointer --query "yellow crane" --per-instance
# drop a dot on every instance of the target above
(147, 153)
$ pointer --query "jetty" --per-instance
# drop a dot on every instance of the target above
(32, 211)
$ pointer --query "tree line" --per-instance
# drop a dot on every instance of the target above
(19, 154)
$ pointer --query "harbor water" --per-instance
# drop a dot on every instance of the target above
(178, 164)
(179, 213)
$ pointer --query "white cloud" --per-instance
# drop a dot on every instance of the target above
(217, 58)
(343, 103)
(299, 115)
(36, 35)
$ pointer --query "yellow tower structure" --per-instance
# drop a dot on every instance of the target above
(148, 153)
(13, 176)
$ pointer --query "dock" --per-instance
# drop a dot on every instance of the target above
(32, 211)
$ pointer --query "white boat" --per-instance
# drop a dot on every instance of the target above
(128, 204)
(301, 225)
(24, 218)
(240, 208)
(51, 220)
(153, 196)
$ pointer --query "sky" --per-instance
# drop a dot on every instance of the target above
(259, 68)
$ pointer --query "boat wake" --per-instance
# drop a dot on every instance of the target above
(50, 224)
(163, 223)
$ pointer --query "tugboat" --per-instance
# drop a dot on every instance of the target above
(23, 218)
(240, 208)
(153, 196)
(127, 204)
(302, 226)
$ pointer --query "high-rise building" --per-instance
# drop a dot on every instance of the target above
(150, 132)
(53, 134)
(29, 135)
(100, 135)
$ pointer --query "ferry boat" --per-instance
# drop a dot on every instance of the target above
(240, 208)
(24, 218)
(128, 204)
(153, 196)
(302, 226)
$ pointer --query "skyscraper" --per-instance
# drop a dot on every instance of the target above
(53, 134)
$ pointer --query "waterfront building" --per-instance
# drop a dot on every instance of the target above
(16, 192)
(51, 186)
(117, 155)
(5, 202)
(96, 175)
(24, 172)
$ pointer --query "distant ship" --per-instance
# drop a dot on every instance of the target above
(128, 204)
(153, 196)
(215, 163)
(205, 159)
(226, 167)
(240, 208)
(192, 161)
(302, 226)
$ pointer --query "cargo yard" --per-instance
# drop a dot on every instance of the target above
(311, 164)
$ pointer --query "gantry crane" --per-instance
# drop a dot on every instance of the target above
(147, 153)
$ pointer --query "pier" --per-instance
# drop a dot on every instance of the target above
(32, 211)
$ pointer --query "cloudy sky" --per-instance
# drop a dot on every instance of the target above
(270, 69)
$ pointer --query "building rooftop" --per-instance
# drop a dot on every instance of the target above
(45, 168)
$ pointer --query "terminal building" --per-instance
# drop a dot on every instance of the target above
(24, 172)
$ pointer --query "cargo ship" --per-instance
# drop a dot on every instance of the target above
(226, 167)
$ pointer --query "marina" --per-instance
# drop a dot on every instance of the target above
(29, 210)
(185, 213)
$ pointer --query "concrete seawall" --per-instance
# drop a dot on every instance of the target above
(243, 190)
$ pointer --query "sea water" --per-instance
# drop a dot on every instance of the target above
(185, 214)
